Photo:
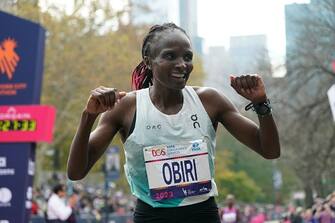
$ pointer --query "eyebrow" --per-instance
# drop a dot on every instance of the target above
(173, 50)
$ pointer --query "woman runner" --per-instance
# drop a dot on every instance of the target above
(168, 130)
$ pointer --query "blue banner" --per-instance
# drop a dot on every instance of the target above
(21, 60)
(21, 68)
(17, 164)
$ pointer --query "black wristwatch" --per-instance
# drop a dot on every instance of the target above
(262, 109)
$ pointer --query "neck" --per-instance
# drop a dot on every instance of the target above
(167, 100)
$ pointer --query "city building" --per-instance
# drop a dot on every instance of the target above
(149, 11)
(188, 20)
(294, 16)
(250, 55)
(218, 66)
(188, 16)
(246, 55)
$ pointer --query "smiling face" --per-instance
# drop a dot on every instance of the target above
(171, 59)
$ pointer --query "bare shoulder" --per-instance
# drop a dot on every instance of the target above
(214, 100)
(205, 91)
(209, 94)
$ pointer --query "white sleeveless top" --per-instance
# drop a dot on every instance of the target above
(154, 129)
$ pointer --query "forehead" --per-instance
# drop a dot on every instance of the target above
(170, 39)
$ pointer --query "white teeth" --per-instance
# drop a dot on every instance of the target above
(179, 75)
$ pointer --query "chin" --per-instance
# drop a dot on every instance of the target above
(179, 86)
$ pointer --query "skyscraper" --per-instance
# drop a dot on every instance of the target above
(218, 66)
(249, 54)
(149, 11)
(246, 55)
(188, 20)
(294, 15)
(188, 16)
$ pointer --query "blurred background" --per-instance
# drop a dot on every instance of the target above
(291, 44)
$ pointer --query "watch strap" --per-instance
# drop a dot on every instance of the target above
(262, 108)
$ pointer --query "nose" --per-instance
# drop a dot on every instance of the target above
(180, 63)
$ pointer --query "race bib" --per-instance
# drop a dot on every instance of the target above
(178, 170)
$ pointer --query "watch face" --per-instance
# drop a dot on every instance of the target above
(263, 109)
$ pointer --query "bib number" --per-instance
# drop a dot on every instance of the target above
(178, 171)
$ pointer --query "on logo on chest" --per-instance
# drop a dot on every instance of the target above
(194, 118)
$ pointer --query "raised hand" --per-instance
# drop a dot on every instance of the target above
(103, 99)
(250, 87)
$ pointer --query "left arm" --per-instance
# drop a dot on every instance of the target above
(263, 139)
(252, 88)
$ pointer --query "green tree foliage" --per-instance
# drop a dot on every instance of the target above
(83, 51)
(308, 132)
(230, 180)
(79, 58)
(240, 184)
(240, 159)
(197, 75)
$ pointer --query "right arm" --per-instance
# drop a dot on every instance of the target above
(87, 147)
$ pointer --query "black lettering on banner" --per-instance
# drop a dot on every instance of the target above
(166, 165)
(194, 118)
(176, 173)
(195, 170)
(188, 170)
(180, 172)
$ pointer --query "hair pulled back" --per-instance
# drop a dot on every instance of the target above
(142, 75)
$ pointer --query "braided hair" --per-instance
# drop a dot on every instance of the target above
(142, 75)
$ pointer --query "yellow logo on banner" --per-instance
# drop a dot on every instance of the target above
(8, 57)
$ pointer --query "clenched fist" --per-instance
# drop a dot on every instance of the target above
(250, 87)
(103, 99)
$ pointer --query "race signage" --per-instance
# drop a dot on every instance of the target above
(21, 69)
(177, 171)
(21, 60)
(26, 123)
(17, 169)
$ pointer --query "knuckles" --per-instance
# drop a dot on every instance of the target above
(245, 81)
(104, 95)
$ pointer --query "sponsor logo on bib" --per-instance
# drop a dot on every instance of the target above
(174, 171)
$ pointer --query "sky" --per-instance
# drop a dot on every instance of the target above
(220, 19)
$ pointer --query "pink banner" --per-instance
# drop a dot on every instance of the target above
(27, 123)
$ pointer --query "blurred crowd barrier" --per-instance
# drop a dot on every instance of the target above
(94, 203)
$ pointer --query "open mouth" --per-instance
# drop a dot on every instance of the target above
(179, 76)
